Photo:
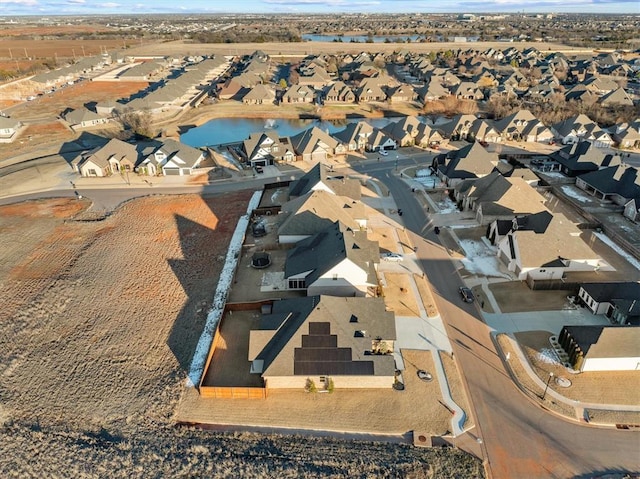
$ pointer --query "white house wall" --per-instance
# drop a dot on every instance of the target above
(611, 364)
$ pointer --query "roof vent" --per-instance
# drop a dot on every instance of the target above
(353, 319)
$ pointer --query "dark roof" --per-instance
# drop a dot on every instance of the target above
(616, 290)
(471, 161)
(623, 180)
(583, 156)
(538, 222)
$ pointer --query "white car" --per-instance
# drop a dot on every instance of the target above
(384, 152)
(395, 257)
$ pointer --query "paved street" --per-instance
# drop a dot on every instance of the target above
(519, 438)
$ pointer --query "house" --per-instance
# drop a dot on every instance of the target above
(105, 108)
(459, 127)
(9, 128)
(428, 136)
(314, 212)
(314, 144)
(628, 135)
(579, 158)
(260, 94)
(339, 92)
(116, 156)
(524, 126)
(471, 161)
(83, 118)
(337, 261)
(370, 90)
(494, 197)
(321, 178)
(431, 91)
(601, 348)
(299, 94)
(467, 91)
(619, 183)
(581, 128)
(355, 135)
(172, 158)
(616, 98)
(632, 210)
(379, 140)
(330, 341)
(262, 149)
(403, 131)
(401, 94)
(618, 301)
(543, 247)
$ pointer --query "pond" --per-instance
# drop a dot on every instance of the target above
(310, 37)
(233, 130)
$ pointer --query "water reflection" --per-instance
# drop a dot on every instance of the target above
(232, 130)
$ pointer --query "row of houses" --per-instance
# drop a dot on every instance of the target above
(167, 157)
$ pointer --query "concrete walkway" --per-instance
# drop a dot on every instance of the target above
(426, 334)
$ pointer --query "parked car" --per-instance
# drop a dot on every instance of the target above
(394, 257)
(384, 152)
(259, 169)
(467, 294)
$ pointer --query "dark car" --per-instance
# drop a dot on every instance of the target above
(467, 294)
(259, 169)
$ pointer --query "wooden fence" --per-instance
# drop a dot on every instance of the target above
(232, 392)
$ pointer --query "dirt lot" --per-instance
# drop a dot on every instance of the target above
(517, 297)
(99, 322)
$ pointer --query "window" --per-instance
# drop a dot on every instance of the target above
(92, 172)
(297, 284)
(335, 277)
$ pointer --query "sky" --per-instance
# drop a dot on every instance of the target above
(85, 7)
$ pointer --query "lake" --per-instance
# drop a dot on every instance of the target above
(309, 37)
(233, 130)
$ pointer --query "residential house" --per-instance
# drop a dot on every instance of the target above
(471, 161)
(339, 92)
(379, 140)
(428, 136)
(116, 156)
(581, 128)
(355, 135)
(459, 127)
(494, 197)
(601, 348)
(524, 126)
(616, 98)
(337, 261)
(370, 90)
(579, 158)
(314, 144)
(627, 135)
(83, 118)
(543, 247)
(619, 184)
(322, 178)
(403, 131)
(173, 159)
(325, 340)
(9, 128)
(467, 91)
(401, 94)
(314, 212)
(260, 94)
(267, 148)
(299, 94)
(618, 301)
(431, 91)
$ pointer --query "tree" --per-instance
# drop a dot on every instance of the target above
(283, 83)
(137, 122)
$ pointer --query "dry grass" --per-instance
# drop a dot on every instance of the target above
(398, 295)
(426, 296)
(385, 238)
(525, 382)
(456, 387)
(600, 387)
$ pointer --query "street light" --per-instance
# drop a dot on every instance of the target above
(547, 386)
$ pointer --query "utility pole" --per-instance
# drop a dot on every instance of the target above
(25, 54)
(83, 54)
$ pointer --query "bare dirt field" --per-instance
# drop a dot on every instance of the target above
(98, 324)
(517, 297)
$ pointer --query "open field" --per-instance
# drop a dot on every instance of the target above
(99, 323)
(180, 47)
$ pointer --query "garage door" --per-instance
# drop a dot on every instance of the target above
(172, 171)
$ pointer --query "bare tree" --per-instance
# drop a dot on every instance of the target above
(137, 122)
